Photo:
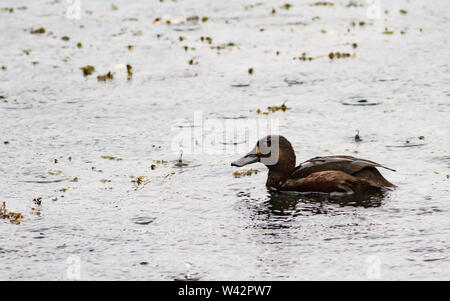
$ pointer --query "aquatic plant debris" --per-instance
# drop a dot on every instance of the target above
(105, 77)
(273, 109)
(112, 158)
(338, 55)
(13, 217)
(245, 172)
(140, 181)
(129, 71)
(323, 4)
(88, 70)
(40, 30)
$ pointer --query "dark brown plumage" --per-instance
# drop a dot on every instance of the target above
(320, 174)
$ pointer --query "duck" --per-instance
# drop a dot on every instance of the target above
(328, 174)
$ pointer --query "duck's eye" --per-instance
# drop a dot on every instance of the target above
(263, 151)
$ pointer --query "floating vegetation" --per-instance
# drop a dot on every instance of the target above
(353, 4)
(160, 161)
(245, 172)
(79, 45)
(111, 158)
(37, 202)
(274, 109)
(129, 71)
(130, 47)
(223, 46)
(13, 217)
(304, 57)
(250, 70)
(193, 19)
(283, 108)
(105, 77)
(360, 23)
(386, 31)
(38, 31)
(65, 38)
(193, 61)
(7, 9)
(403, 12)
(88, 70)
(322, 4)
(105, 181)
(338, 55)
(140, 181)
(286, 6)
(207, 39)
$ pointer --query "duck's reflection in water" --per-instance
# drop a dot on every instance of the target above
(280, 209)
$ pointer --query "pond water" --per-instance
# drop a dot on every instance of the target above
(80, 144)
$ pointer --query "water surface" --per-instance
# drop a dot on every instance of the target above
(198, 221)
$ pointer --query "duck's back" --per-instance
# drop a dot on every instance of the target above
(359, 168)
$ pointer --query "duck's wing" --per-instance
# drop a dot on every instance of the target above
(330, 181)
(347, 164)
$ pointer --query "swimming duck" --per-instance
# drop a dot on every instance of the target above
(320, 174)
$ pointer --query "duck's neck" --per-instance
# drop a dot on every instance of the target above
(275, 178)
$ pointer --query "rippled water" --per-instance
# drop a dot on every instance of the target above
(198, 221)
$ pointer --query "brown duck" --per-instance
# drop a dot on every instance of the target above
(320, 174)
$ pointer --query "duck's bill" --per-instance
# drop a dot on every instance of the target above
(247, 159)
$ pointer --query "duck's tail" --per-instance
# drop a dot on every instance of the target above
(372, 175)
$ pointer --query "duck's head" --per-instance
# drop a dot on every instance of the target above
(274, 151)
